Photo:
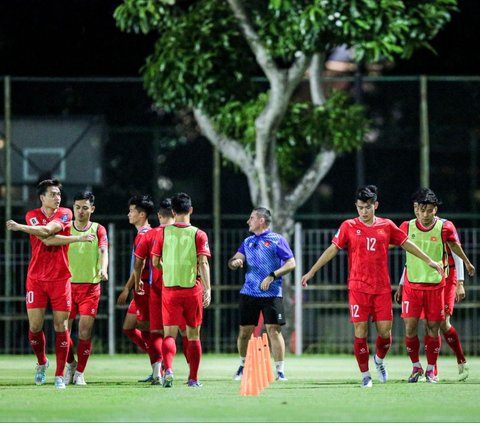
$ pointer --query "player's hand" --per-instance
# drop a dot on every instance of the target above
(470, 269)
(140, 287)
(305, 278)
(103, 275)
(459, 292)
(266, 283)
(438, 267)
(122, 298)
(236, 263)
(12, 225)
(87, 237)
(206, 297)
(398, 294)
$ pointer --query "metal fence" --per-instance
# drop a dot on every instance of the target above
(319, 317)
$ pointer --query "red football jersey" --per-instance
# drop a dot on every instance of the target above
(142, 233)
(49, 263)
(368, 252)
(143, 251)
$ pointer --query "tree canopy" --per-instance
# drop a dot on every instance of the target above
(238, 63)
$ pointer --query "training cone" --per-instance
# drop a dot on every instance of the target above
(249, 384)
(267, 358)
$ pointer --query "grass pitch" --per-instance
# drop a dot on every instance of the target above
(320, 388)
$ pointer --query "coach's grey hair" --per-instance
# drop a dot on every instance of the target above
(265, 213)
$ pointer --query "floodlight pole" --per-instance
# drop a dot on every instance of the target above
(8, 208)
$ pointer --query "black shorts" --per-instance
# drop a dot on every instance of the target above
(271, 308)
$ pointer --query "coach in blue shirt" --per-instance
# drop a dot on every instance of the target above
(268, 257)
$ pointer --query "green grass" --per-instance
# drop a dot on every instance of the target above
(320, 388)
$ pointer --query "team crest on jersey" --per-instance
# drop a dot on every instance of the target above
(380, 231)
(64, 217)
(433, 239)
(359, 232)
(267, 243)
(33, 221)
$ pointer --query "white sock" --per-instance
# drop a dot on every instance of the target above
(430, 367)
(242, 361)
(378, 360)
(365, 374)
(280, 365)
(417, 364)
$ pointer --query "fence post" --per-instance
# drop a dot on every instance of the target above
(111, 288)
(298, 289)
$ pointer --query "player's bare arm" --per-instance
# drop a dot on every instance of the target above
(287, 267)
(157, 261)
(138, 266)
(103, 273)
(40, 231)
(57, 240)
(326, 256)
(204, 271)
(236, 262)
(458, 250)
(122, 298)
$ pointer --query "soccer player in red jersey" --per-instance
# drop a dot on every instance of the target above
(182, 251)
(423, 292)
(367, 239)
(142, 255)
(89, 268)
(136, 325)
(48, 276)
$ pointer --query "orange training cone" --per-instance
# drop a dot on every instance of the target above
(267, 358)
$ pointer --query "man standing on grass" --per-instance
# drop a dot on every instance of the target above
(48, 276)
(142, 255)
(367, 238)
(89, 267)
(423, 290)
(181, 251)
(136, 325)
(268, 257)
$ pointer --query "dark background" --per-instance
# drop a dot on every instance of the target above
(77, 38)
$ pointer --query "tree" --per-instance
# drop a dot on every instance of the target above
(210, 53)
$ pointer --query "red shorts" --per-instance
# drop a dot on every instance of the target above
(85, 299)
(156, 321)
(449, 291)
(139, 305)
(363, 305)
(429, 301)
(40, 292)
(181, 307)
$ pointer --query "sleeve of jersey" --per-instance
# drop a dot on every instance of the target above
(398, 237)
(142, 249)
(201, 240)
(449, 232)
(65, 218)
(283, 249)
(102, 236)
(158, 243)
(341, 237)
(241, 249)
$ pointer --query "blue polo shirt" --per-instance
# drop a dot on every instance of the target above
(264, 254)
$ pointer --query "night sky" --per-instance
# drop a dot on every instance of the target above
(79, 38)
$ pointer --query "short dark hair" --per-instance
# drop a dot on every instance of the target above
(84, 195)
(265, 213)
(143, 203)
(165, 208)
(181, 203)
(43, 185)
(367, 193)
(425, 196)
